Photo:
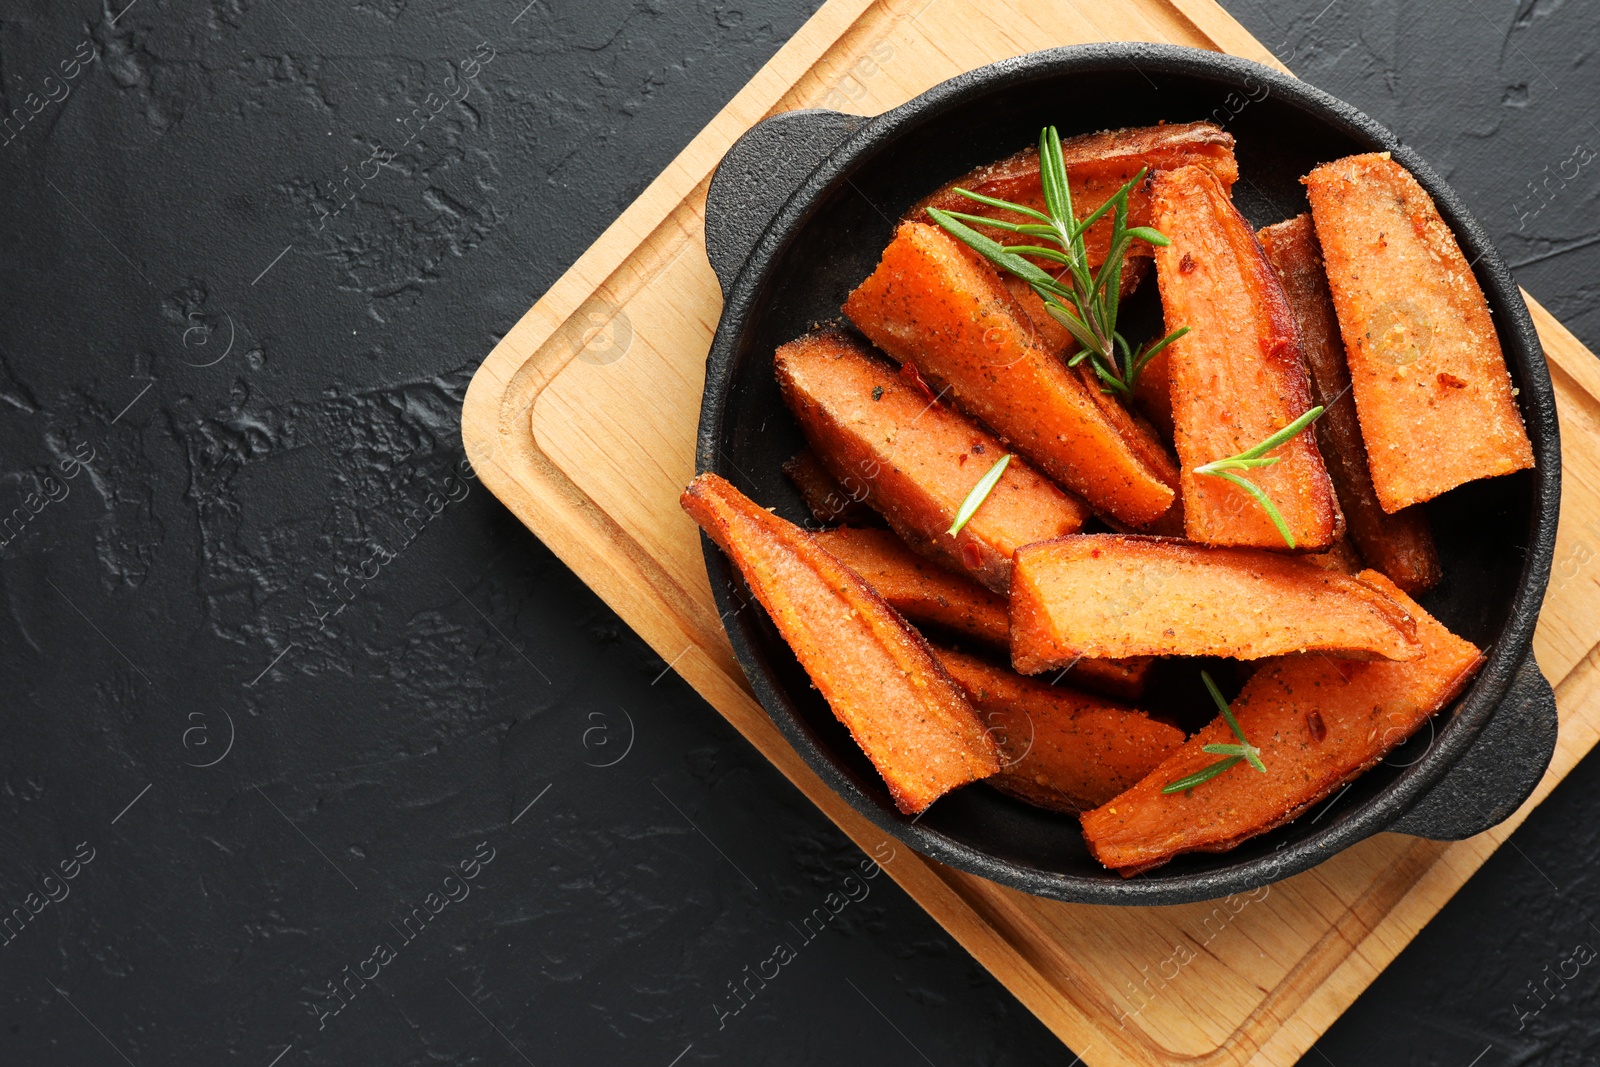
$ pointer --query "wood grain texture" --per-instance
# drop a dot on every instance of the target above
(582, 421)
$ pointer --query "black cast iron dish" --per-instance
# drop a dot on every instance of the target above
(798, 214)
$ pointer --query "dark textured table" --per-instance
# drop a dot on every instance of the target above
(311, 754)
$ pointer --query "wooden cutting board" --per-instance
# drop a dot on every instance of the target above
(582, 420)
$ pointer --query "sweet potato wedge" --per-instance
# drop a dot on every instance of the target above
(1059, 749)
(1431, 384)
(922, 592)
(1318, 724)
(931, 596)
(1237, 377)
(916, 459)
(1136, 432)
(877, 674)
(1116, 595)
(1098, 164)
(938, 306)
(1400, 545)
(1342, 557)
(828, 501)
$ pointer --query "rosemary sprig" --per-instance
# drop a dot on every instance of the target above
(1243, 752)
(1257, 457)
(979, 494)
(1082, 300)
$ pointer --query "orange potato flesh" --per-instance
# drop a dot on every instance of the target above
(928, 595)
(922, 592)
(1123, 678)
(1059, 749)
(1431, 384)
(915, 460)
(1115, 595)
(827, 500)
(937, 305)
(1237, 377)
(1399, 545)
(1318, 723)
(1153, 392)
(1136, 433)
(1097, 164)
(876, 673)
(1342, 557)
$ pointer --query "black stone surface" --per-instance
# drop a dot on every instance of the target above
(254, 548)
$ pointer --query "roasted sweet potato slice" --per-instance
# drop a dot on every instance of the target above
(919, 590)
(1237, 377)
(915, 459)
(828, 501)
(1123, 678)
(1342, 557)
(1431, 384)
(933, 596)
(1136, 432)
(1098, 164)
(1059, 749)
(1116, 595)
(938, 306)
(1400, 545)
(876, 673)
(1318, 724)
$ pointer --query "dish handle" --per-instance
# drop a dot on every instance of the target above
(1498, 772)
(759, 174)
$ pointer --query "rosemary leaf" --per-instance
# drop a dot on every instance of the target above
(1202, 776)
(1257, 457)
(1004, 205)
(1283, 435)
(1266, 504)
(1084, 301)
(979, 494)
(1250, 753)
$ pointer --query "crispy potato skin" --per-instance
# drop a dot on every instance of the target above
(916, 461)
(1431, 384)
(929, 595)
(827, 500)
(1399, 545)
(1098, 164)
(1363, 710)
(1117, 595)
(937, 305)
(877, 674)
(922, 592)
(1237, 376)
(1059, 749)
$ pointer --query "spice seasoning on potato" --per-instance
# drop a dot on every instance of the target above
(876, 673)
(916, 460)
(1400, 545)
(1113, 595)
(1097, 165)
(1237, 376)
(930, 595)
(934, 304)
(1318, 723)
(1059, 749)
(1435, 399)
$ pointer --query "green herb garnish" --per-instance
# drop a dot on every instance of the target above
(1086, 302)
(1257, 457)
(979, 494)
(1240, 753)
